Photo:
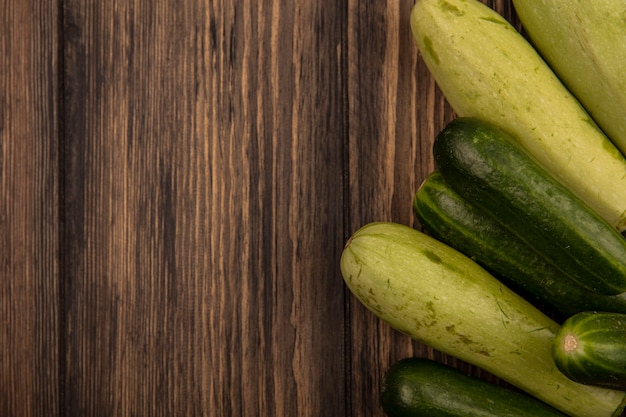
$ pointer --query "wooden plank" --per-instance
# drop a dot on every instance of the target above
(29, 209)
(395, 111)
(204, 208)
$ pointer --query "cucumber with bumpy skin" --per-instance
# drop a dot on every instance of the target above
(415, 387)
(583, 42)
(486, 69)
(490, 170)
(435, 294)
(448, 217)
(590, 348)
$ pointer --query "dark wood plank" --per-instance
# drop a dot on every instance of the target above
(390, 133)
(29, 209)
(204, 206)
(395, 111)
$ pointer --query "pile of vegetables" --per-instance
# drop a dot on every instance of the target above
(520, 268)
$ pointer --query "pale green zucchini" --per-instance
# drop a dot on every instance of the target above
(437, 295)
(584, 42)
(486, 69)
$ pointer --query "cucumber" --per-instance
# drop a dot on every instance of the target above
(583, 42)
(448, 217)
(488, 168)
(590, 348)
(422, 387)
(486, 69)
(440, 297)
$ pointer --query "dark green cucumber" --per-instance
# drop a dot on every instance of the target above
(416, 387)
(590, 348)
(447, 216)
(487, 167)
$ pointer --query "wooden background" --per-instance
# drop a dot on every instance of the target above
(177, 181)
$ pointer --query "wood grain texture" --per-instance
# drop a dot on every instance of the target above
(205, 209)
(178, 180)
(29, 209)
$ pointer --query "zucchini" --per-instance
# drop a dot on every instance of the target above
(440, 297)
(488, 70)
(590, 348)
(422, 387)
(448, 217)
(488, 168)
(583, 42)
